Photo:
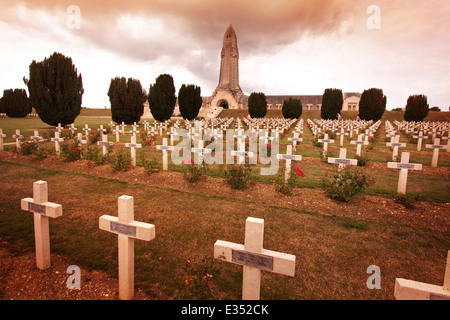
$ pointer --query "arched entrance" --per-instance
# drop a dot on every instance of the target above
(223, 104)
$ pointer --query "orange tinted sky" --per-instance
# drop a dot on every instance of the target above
(286, 47)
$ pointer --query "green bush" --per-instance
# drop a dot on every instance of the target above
(127, 99)
(238, 175)
(161, 98)
(286, 187)
(193, 172)
(292, 109)
(71, 150)
(120, 161)
(15, 103)
(344, 184)
(257, 105)
(407, 200)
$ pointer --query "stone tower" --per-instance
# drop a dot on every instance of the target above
(228, 93)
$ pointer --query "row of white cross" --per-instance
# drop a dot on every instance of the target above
(251, 255)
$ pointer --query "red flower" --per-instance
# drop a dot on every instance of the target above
(129, 166)
(88, 163)
(299, 172)
(13, 151)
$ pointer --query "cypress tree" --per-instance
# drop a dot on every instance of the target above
(372, 104)
(257, 105)
(416, 108)
(332, 101)
(161, 97)
(292, 109)
(15, 103)
(55, 89)
(189, 101)
(127, 100)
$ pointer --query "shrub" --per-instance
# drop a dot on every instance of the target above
(198, 279)
(120, 161)
(15, 103)
(189, 101)
(407, 200)
(150, 166)
(416, 108)
(238, 175)
(362, 160)
(55, 89)
(127, 99)
(332, 101)
(344, 184)
(193, 172)
(161, 98)
(257, 105)
(292, 109)
(286, 187)
(372, 104)
(71, 151)
(94, 155)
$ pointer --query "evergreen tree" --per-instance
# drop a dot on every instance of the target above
(15, 103)
(55, 89)
(416, 108)
(257, 105)
(127, 100)
(161, 97)
(372, 104)
(189, 101)
(332, 101)
(292, 109)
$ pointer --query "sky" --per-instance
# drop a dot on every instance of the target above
(286, 47)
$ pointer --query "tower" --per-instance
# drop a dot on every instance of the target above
(228, 93)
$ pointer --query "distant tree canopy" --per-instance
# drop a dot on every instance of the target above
(127, 100)
(189, 101)
(372, 104)
(416, 108)
(257, 105)
(161, 97)
(292, 108)
(332, 101)
(55, 89)
(15, 103)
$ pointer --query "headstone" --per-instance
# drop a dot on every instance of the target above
(294, 140)
(17, 136)
(288, 157)
(36, 136)
(133, 145)
(436, 147)
(359, 143)
(2, 136)
(341, 134)
(164, 149)
(241, 153)
(325, 142)
(420, 138)
(57, 140)
(127, 230)
(86, 130)
(395, 144)
(413, 290)
(404, 166)
(254, 258)
(105, 144)
(342, 160)
(42, 210)
(200, 151)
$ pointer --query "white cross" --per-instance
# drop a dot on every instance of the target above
(42, 210)
(325, 142)
(127, 230)
(295, 139)
(86, 130)
(59, 128)
(342, 134)
(133, 145)
(80, 139)
(359, 143)
(72, 129)
(36, 136)
(404, 166)
(289, 157)
(17, 136)
(117, 132)
(395, 144)
(436, 147)
(241, 153)
(413, 290)
(164, 149)
(123, 125)
(200, 151)
(2, 136)
(342, 160)
(254, 258)
(134, 131)
(57, 140)
(105, 144)
(420, 138)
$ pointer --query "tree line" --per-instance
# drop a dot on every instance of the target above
(56, 89)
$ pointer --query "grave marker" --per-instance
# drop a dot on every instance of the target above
(420, 138)
(42, 210)
(133, 145)
(395, 144)
(17, 136)
(57, 140)
(342, 160)
(404, 166)
(254, 258)
(359, 143)
(325, 142)
(164, 149)
(436, 147)
(2, 136)
(288, 157)
(105, 144)
(127, 230)
(413, 290)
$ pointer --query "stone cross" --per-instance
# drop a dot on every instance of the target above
(325, 142)
(404, 166)
(117, 132)
(42, 210)
(200, 151)
(59, 128)
(133, 145)
(86, 130)
(80, 139)
(420, 138)
(288, 157)
(413, 290)
(73, 129)
(436, 147)
(17, 136)
(294, 140)
(342, 133)
(123, 125)
(342, 160)
(57, 140)
(395, 144)
(254, 258)
(36, 136)
(241, 153)
(164, 149)
(102, 130)
(2, 136)
(105, 144)
(134, 131)
(359, 143)
(127, 230)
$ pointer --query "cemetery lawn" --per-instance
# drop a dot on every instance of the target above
(334, 243)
